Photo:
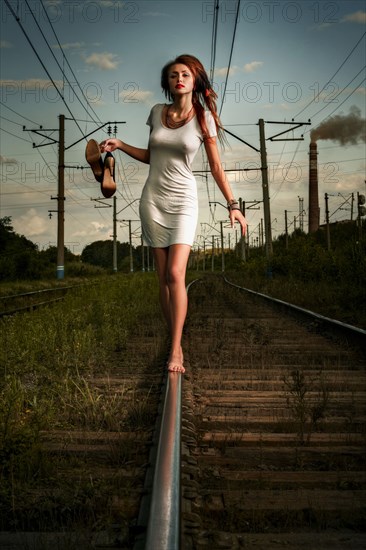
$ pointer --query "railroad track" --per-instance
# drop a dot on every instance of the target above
(277, 414)
(92, 497)
(27, 301)
(272, 439)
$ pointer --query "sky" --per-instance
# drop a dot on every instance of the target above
(99, 62)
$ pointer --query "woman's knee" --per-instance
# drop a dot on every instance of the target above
(175, 275)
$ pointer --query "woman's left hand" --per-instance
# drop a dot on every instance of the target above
(236, 215)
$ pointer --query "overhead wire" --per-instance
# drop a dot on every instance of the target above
(348, 96)
(54, 84)
(14, 135)
(331, 78)
(55, 58)
(72, 72)
(214, 41)
(287, 171)
(341, 91)
(213, 57)
(231, 54)
(41, 62)
(15, 112)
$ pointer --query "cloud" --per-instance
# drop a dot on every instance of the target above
(30, 84)
(7, 160)
(70, 45)
(94, 230)
(111, 3)
(30, 224)
(138, 96)
(252, 66)
(155, 14)
(223, 71)
(5, 44)
(248, 68)
(104, 61)
(356, 17)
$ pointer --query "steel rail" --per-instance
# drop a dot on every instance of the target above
(163, 531)
(28, 308)
(33, 292)
(357, 334)
(164, 523)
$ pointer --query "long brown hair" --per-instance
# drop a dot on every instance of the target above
(203, 95)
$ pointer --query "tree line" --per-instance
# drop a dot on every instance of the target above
(21, 259)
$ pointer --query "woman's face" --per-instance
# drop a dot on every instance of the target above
(180, 80)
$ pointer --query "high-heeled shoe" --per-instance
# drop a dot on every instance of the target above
(109, 185)
(94, 158)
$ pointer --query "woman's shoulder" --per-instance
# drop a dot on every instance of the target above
(155, 113)
(211, 125)
(209, 115)
(158, 107)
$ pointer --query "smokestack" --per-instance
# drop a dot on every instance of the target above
(313, 188)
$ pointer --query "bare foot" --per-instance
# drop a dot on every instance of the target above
(175, 363)
(176, 366)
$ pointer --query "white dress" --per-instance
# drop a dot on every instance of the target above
(169, 203)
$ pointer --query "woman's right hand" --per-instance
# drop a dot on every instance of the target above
(109, 145)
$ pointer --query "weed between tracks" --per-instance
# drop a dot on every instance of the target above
(55, 375)
(306, 411)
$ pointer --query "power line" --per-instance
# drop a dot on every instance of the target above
(231, 54)
(12, 121)
(341, 91)
(345, 99)
(331, 78)
(54, 57)
(22, 116)
(68, 64)
(214, 41)
(41, 62)
(349, 95)
(45, 192)
(14, 135)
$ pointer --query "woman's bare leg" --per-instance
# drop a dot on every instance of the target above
(161, 264)
(171, 266)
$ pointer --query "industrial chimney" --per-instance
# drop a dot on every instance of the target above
(313, 188)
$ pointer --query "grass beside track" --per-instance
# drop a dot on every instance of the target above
(49, 360)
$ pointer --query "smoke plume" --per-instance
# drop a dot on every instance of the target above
(345, 129)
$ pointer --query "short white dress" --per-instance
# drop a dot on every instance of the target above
(169, 203)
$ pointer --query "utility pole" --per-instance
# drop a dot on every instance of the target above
(301, 213)
(114, 234)
(265, 190)
(242, 237)
(264, 169)
(60, 271)
(286, 230)
(266, 206)
(222, 247)
(130, 240)
(327, 220)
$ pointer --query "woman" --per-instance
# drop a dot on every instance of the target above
(169, 205)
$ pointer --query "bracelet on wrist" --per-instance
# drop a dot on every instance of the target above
(233, 205)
